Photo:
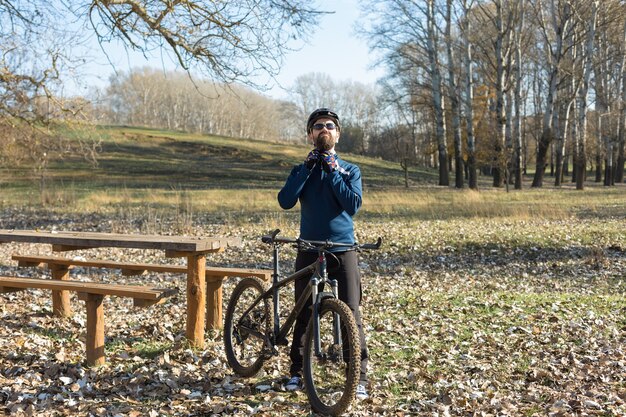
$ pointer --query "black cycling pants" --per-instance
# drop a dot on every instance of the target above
(349, 282)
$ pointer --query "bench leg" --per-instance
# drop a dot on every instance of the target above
(95, 329)
(196, 299)
(61, 299)
(214, 302)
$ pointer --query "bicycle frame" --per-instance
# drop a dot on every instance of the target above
(319, 274)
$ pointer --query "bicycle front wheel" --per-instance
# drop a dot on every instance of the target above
(247, 327)
(331, 378)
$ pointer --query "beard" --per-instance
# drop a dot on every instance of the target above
(324, 142)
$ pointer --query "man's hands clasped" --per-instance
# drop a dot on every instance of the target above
(312, 159)
(329, 162)
(327, 159)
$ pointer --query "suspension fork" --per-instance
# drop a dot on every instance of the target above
(275, 294)
(322, 276)
(315, 281)
(336, 319)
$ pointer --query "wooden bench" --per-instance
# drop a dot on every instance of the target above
(93, 295)
(214, 277)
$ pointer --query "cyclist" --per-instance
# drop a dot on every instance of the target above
(329, 191)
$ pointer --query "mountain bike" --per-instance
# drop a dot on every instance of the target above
(332, 349)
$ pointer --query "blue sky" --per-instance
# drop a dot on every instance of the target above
(334, 37)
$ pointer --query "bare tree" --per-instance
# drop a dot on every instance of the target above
(32, 116)
(559, 13)
(408, 107)
(408, 34)
(307, 96)
(621, 141)
(432, 49)
(226, 41)
(170, 100)
(608, 66)
(581, 157)
(516, 163)
(453, 93)
(468, 85)
(497, 52)
(567, 95)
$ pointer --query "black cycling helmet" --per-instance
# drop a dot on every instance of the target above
(318, 114)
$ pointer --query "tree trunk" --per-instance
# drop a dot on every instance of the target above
(560, 27)
(437, 97)
(561, 145)
(621, 144)
(621, 127)
(621, 161)
(500, 157)
(581, 160)
(454, 103)
(542, 152)
(517, 122)
(404, 164)
(468, 101)
(508, 138)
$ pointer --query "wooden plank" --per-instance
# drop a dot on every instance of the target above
(219, 272)
(132, 291)
(183, 254)
(30, 264)
(214, 271)
(138, 302)
(5, 290)
(66, 248)
(68, 240)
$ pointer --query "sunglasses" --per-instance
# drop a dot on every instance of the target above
(327, 125)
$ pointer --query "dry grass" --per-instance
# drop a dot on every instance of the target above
(424, 203)
(445, 203)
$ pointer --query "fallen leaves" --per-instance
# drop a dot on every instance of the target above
(463, 317)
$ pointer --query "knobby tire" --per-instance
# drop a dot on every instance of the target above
(331, 383)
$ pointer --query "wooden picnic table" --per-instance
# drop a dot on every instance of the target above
(193, 248)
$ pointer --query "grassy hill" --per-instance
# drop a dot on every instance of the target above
(197, 173)
(147, 158)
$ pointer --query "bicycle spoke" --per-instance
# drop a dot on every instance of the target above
(245, 328)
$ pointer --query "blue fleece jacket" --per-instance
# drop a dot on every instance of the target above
(327, 201)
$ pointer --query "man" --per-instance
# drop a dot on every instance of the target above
(329, 191)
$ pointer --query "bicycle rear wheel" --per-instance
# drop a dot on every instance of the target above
(245, 332)
(331, 379)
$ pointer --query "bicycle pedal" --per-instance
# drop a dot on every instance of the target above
(282, 341)
(268, 353)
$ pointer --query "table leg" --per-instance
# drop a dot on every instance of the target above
(94, 341)
(196, 298)
(61, 299)
(214, 302)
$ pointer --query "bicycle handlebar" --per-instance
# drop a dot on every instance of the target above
(325, 244)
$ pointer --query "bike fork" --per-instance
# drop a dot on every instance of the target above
(275, 296)
(336, 319)
(316, 316)
(337, 341)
